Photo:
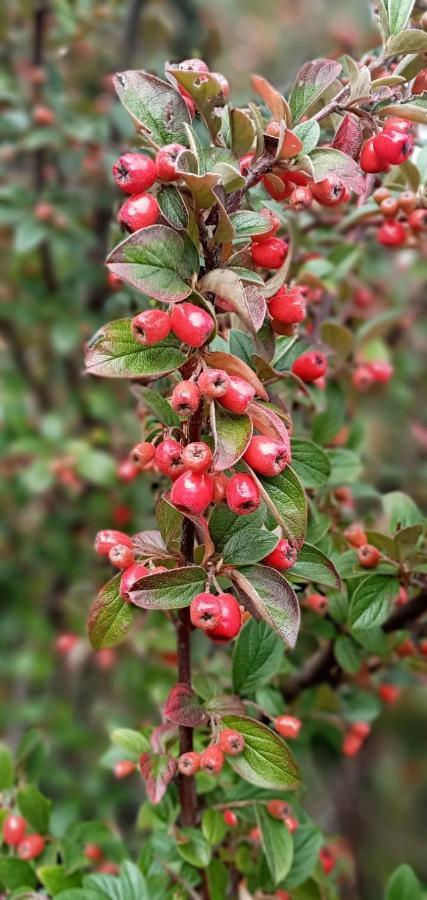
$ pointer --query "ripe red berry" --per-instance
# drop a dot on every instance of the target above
(123, 768)
(327, 860)
(355, 536)
(127, 470)
(418, 220)
(138, 211)
(220, 487)
(231, 742)
(197, 456)
(389, 693)
(391, 234)
(369, 160)
(310, 365)
(151, 326)
(230, 619)
(381, 371)
(396, 123)
(368, 556)
(114, 282)
(402, 596)
(288, 726)
(130, 576)
(278, 809)
(318, 603)
(93, 852)
(31, 846)
(269, 254)
(212, 760)
(193, 491)
(65, 643)
(362, 378)
(278, 185)
(205, 611)
(238, 396)
(191, 324)
(166, 160)
(255, 835)
(242, 494)
(169, 458)
(14, 828)
(362, 729)
(267, 455)
(389, 208)
(230, 818)
(291, 823)
(121, 556)
(108, 538)
(142, 453)
(185, 398)
(288, 305)
(330, 191)
(213, 383)
(134, 173)
(363, 297)
(393, 147)
(407, 201)
(351, 744)
(283, 557)
(189, 763)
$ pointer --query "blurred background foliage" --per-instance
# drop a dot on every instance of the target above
(61, 434)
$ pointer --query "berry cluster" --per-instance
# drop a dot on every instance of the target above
(211, 760)
(28, 846)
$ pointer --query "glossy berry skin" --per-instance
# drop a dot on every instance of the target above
(389, 693)
(169, 458)
(351, 744)
(381, 371)
(396, 123)
(231, 742)
(93, 852)
(391, 234)
(355, 536)
(269, 254)
(230, 619)
(108, 538)
(134, 173)
(317, 603)
(329, 192)
(197, 456)
(288, 305)
(31, 846)
(368, 556)
(189, 763)
(393, 147)
(130, 576)
(266, 455)
(205, 611)
(143, 453)
(213, 383)
(310, 365)
(121, 556)
(151, 326)
(185, 398)
(14, 828)
(191, 324)
(124, 768)
(288, 726)
(238, 395)
(212, 760)
(362, 378)
(242, 494)
(193, 491)
(417, 220)
(230, 818)
(138, 211)
(369, 160)
(278, 809)
(166, 160)
(283, 557)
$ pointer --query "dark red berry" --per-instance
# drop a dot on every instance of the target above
(185, 398)
(230, 818)
(288, 305)
(205, 611)
(169, 458)
(393, 147)
(269, 254)
(138, 211)
(310, 365)
(329, 192)
(134, 173)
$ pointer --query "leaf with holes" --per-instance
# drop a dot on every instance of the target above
(206, 92)
(231, 433)
(371, 602)
(266, 760)
(313, 565)
(155, 106)
(113, 352)
(157, 772)
(267, 595)
(109, 616)
(168, 590)
(312, 79)
(310, 463)
(257, 657)
(157, 261)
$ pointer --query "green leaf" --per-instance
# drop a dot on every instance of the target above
(29, 234)
(172, 207)
(345, 466)
(313, 565)
(309, 133)
(270, 597)
(159, 406)
(55, 879)
(15, 873)
(412, 41)
(348, 654)
(247, 222)
(34, 807)
(312, 79)
(242, 132)
(257, 657)
(169, 590)
(224, 524)
(133, 885)
(311, 463)
(338, 337)
(277, 844)
(407, 539)
(155, 106)
(401, 510)
(266, 760)
(307, 843)
(232, 434)
(286, 500)
(371, 601)
(213, 826)
(399, 13)
(241, 345)
(133, 742)
(248, 545)
(110, 616)
(327, 423)
(113, 352)
(327, 161)
(6, 768)
(218, 878)
(170, 522)
(403, 885)
(81, 894)
(194, 848)
(157, 261)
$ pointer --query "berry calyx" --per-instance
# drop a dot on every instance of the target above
(288, 726)
(130, 576)
(124, 768)
(138, 211)
(121, 556)
(14, 828)
(151, 326)
(166, 162)
(213, 383)
(391, 234)
(310, 366)
(108, 538)
(242, 494)
(230, 619)
(212, 760)
(368, 556)
(134, 173)
(31, 846)
(230, 818)
(189, 763)
(267, 455)
(197, 456)
(185, 398)
(205, 611)
(193, 491)
(283, 557)
(330, 191)
(238, 395)
(288, 305)
(318, 603)
(142, 453)
(191, 324)
(269, 254)
(231, 742)
(169, 458)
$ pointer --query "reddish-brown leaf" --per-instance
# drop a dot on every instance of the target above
(157, 771)
(349, 137)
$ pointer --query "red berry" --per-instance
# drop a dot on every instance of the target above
(291, 823)
(282, 895)
(362, 378)
(108, 868)
(197, 456)
(310, 365)
(363, 298)
(205, 611)
(278, 185)
(255, 835)
(302, 197)
(417, 220)
(318, 603)
(14, 828)
(267, 455)
(238, 396)
(393, 147)
(134, 173)
(93, 852)
(274, 223)
(123, 768)
(283, 557)
(351, 744)
(269, 254)
(327, 860)
(220, 487)
(189, 763)
(212, 760)
(230, 619)
(278, 809)
(166, 160)
(169, 458)
(396, 123)
(114, 282)
(230, 818)
(193, 491)
(138, 211)
(127, 470)
(191, 324)
(368, 556)
(355, 536)
(389, 693)
(381, 371)
(130, 576)
(242, 494)
(142, 453)
(43, 115)
(406, 648)
(288, 726)
(121, 556)
(185, 398)
(369, 160)
(31, 846)
(329, 192)
(362, 729)
(213, 383)
(193, 65)
(108, 538)
(391, 234)
(288, 305)
(402, 596)
(189, 102)
(65, 643)
(231, 742)
(151, 326)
